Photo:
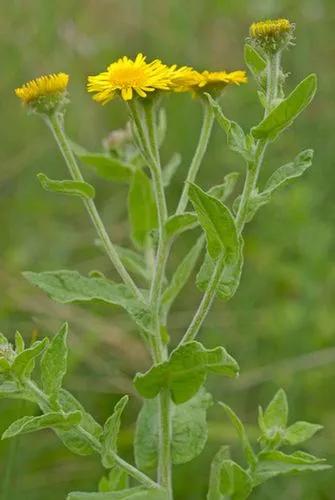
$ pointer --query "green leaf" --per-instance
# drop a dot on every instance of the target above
(276, 414)
(19, 343)
(218, 224)
(290, 171)
(73, 188)
(274, 463)
(236, 138)
(142, 208)
(214, 488)
(189, 431)
(23, 364)
(224, 190)
(170, 169)
(253, 59)
(110, 433)
(287, 111)
(133, 261)
(235, 481)
(49, 420)
(9, 389)
(229, 280)
(181, 276)
(116, 480)
(179, 223)
(72, 438)
(299, 432)
(185, 371)
(70, 286)
(108, 167)
(241, 432)
(54, 363)
(137, 493)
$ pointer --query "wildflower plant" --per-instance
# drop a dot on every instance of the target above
(171, 428)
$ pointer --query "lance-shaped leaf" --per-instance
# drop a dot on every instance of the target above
(111, 432)
(19, 343)
(185, 371)
(23, 364)
(274, 463)
(236, 483)
(189, 431)
(224, 190)
(214, 487)
(137, 493)
(241, 432)
(72, 438)
(70, 286)
(276, 413)
(54, 363)
(287, 111)
(299, 432)
(141, 207)
(229, 280)
(73, 188)
(181, 275)
(116, 480)
(108, 167)
(179, 223)
(170, 169)
(218, 224)
(11, 390)
(289, 171)
(236, 138)
(54, 420)
(253, 59)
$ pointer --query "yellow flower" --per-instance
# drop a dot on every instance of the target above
(222, 78)
(184, 79)
(43, 86)
(270, 28)
(126, 76)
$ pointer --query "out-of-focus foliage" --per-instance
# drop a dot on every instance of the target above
(280, 325)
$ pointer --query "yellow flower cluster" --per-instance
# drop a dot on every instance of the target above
(270, 28)
(127, 77)
(42, 87)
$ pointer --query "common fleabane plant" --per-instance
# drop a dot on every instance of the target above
(171, 427)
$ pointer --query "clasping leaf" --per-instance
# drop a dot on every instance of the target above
(110, 433)
(73, 188)
(185, 371)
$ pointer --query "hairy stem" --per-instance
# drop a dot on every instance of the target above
(205, 303)
(205, 133)
(254, 166)
(55, 123)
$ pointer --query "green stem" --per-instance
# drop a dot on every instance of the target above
(250, 183)
(55, 123)
(42, 400)
(159, 350)
(207, 125)
(205, 303)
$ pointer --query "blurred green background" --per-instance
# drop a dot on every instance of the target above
(280, 325)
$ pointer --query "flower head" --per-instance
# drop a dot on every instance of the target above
(45, 93)
(188, 79)
(272, 34)
(184, 79)
(126, 77)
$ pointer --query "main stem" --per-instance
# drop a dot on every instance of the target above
(159, 351)
(254, 166)
(207, 125)
(55, 123)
